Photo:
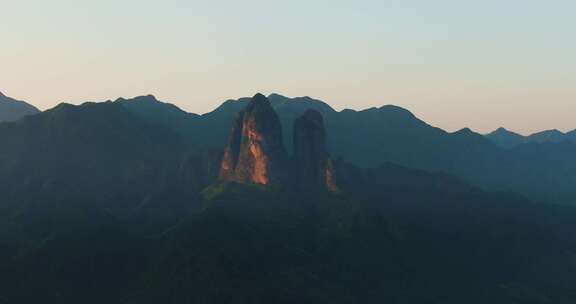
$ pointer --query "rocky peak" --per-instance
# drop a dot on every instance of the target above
(145, 99)
(312, 164)
(255, 152)
(501, 130)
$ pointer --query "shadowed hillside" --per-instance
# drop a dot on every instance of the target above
(100, 205)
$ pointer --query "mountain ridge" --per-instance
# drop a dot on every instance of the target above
(12, 109)
(509, 139)
(374, 136)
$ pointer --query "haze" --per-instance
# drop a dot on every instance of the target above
(477, 64)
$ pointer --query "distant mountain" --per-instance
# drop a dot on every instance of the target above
(99, 153)
(549, 136)
(505, 138)
(161, 113)
(12, 109)
(508, 139)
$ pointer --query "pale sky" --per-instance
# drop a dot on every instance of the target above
(477, 64)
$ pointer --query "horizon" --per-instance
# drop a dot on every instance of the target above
(455, 65)
(292, 97)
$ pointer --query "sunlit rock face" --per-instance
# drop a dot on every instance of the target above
(313, 167)
(330, 176)
(255, 152)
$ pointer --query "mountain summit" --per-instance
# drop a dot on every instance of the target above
(255, 152)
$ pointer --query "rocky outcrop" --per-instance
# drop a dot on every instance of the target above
(255, 152)
(313, 168)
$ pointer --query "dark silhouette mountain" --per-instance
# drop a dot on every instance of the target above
(98, 204)
(505, 138)
(12, 109)
(195, 130)
(314, 169)
(99, 153)
(549, 136)
(544, 172)
(572, 135)
(155, 111)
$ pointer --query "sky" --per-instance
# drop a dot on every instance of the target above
(478, 64)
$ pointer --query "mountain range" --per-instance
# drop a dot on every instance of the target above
(509, 139)
(540, 166)
(278, 200)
